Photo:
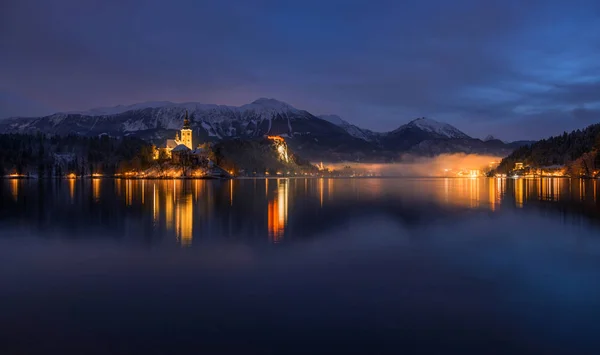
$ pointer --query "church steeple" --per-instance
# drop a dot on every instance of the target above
(186, 132)
(186, 121)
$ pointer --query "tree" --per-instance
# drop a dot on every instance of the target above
(162, 162)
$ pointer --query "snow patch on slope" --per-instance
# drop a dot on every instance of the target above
(335, 119)
(133, 126)
(271, 105)
(105, 111)
(440, 128)
(351, 129)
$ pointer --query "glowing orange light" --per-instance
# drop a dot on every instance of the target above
(277, 210)
(276, 138)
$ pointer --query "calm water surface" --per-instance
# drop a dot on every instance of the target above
(300, 266)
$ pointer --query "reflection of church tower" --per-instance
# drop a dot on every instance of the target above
(186, 132)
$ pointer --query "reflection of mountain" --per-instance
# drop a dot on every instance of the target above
(276, 210)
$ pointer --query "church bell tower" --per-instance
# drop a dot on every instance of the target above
(186, 132)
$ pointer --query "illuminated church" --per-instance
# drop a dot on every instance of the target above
(180, 143)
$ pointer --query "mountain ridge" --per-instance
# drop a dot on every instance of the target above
(325, 136)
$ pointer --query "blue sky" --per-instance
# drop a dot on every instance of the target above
(514, 69)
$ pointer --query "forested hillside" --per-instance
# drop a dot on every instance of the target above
(45, 156)
(577, 151)
(252, 157)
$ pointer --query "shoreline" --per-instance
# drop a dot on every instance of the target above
(285, 177)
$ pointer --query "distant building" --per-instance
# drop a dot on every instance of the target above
(172, 144)
(519, 166)
(180, 153)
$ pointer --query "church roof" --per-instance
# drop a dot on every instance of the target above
(171, 143)
(181, 148)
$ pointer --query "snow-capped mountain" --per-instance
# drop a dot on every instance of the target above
(420, 130)
(105, 111)
(439, 129)
(257, 118)
(351, 129)
(326, 137)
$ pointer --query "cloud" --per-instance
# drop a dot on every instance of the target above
(487, 67)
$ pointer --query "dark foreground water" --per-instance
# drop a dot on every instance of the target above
(486, 266)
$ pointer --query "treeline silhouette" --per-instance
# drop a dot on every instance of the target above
(49, 155)
(578, 151)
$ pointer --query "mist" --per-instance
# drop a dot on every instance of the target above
(413, 166)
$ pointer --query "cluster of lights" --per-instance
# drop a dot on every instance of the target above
(543, 173)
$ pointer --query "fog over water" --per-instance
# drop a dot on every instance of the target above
(416, 166)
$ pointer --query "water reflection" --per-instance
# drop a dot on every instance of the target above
(14, 188)
(96, 189)
(487, 255)
(180, 211)
(321, 191)
(184, 212)
(519, 192)
(278, 211)
(72, 189)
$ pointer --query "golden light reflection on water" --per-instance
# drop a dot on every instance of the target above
(519, 192)
(155, 204)
(489, 193)
(474, 192)
(169, 201)
(184, 219)
(72, 190)
(277, 211)
(550, 189)
(129, 192)
(14, 188)
(96, 189)
(118, 187)
(321, 191)
(191, 209)
(173, 204)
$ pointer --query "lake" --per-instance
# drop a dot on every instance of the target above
(438, 265)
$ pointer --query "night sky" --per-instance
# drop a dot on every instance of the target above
(515, 69)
